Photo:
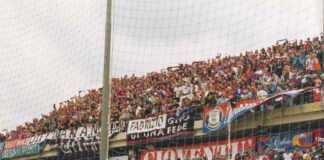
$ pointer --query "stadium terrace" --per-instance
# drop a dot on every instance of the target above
(258, 74)
(146, 103)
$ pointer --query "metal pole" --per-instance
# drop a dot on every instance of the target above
(106, 96)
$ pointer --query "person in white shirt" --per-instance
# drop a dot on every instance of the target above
(139, 111)
(186, 91)
(262, 93)
(287, 156)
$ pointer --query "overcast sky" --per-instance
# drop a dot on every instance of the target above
(49, 50)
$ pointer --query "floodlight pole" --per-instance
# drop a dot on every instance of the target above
(106, 95)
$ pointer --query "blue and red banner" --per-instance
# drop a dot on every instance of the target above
(218, 117)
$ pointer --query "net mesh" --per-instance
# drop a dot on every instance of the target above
(52, 53)
(187, 31)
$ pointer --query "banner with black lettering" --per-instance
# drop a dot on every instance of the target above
(175, 125)
(79, 140)
(147, 124)
(117, 127)
(85, 138)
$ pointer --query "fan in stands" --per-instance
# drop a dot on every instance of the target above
(262, 73)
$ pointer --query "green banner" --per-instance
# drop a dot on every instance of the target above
(25, 150)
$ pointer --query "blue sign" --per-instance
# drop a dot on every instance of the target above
(282, 141)
(22, 151)
(1, 148)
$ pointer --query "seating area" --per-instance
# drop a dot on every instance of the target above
(253, 74)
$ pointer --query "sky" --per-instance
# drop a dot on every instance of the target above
(49, 50)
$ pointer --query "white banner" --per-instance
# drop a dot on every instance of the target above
(119, 158)
(147, 124)
(81, 132)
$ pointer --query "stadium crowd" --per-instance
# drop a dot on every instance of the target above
(314, 153)
(253, 74)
